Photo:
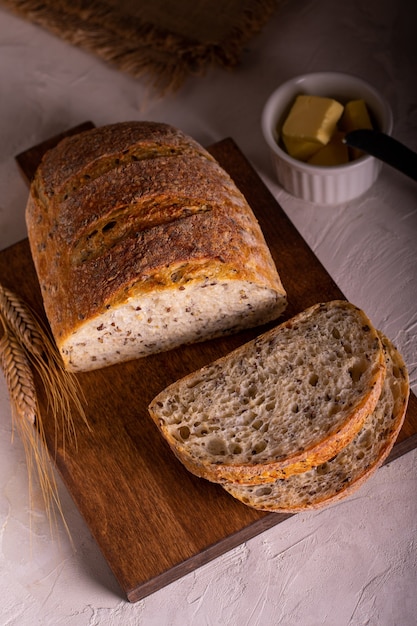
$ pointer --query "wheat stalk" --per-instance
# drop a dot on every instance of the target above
(26, 347)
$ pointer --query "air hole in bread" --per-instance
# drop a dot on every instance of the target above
(336, 333)
(216, 447)
(357, 370)
(263, 491)
(313, 380)
(184, 432)
(259, 447)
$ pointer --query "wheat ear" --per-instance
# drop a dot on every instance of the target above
(62, 388)
(19, 377)
(18, 316)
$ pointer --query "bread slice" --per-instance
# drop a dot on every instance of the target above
(141, 243)
(280, 404)
(347, 471)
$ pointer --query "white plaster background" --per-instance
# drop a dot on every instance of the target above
(351, 564)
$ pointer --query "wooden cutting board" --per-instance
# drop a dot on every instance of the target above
(154, 521)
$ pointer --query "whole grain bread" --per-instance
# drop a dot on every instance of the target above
(141, 243)
(285, 402)
(342, 475)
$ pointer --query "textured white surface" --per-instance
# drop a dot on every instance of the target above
(352, 564)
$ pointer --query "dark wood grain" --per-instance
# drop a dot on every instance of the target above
(154, 521)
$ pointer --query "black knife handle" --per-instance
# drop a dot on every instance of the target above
(386, 148)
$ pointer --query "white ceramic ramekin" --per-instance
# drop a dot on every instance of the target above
(322, 184)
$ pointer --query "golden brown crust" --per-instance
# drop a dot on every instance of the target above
(169, 216)
(84, 155)
(146, 193)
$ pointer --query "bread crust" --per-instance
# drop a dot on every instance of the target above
(120, 211)
(82, 156)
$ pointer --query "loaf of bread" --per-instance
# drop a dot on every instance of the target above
(279, 405)
(346, 472)
(141, 243)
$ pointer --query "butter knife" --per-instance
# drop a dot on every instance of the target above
(385, 148)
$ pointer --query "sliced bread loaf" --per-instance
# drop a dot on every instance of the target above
(346, 472)
(141, 243)
(280, 404)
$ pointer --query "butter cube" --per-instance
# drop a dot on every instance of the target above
(310, 124)
(355, 116)
(333, 153)
(301, 149)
